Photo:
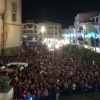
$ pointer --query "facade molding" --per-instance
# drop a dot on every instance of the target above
(13, 24)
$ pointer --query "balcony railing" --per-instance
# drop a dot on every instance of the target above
(94, 23)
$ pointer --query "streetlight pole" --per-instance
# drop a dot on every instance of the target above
(84, 28)
(61, 50)
(95, 41)
(76, 40)
(84, 38)
(53, 51)
(61, 53)
(70, 41)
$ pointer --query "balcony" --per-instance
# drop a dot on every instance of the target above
(50, 33)
(94, 23)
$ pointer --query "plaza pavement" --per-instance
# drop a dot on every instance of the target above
(87, 96)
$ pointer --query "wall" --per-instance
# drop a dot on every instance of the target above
(13, 37)
(12, 29)
(86, 17)
(83, 17)
(7, 96)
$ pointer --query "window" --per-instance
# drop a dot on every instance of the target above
(24, 26)
(27, 31)
(24, 31)
(55, 32)
(50, 27)
(50, 32)
(40, 39)
(96, 31)
(30, 25)
(40, 33)
(60, 32)
(27, 25)
(35, 31)
(32, 31)
(35, 27)
(47, 27)
(29, 37)
(13, 17)
(55, 27)
(44, 33)
(96, 19)
(14, 11)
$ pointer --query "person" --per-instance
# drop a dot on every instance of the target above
(74, 87)
(44, 75)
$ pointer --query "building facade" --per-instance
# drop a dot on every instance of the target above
(33, 32)
(51, 30)
(85, 32)
(29, 31)
(87, 29)
(11, 28)
(83, 17)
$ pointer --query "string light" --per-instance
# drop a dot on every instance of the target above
(81, 34)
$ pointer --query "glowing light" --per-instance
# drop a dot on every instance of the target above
(59, 42)
(51, 49)
(56, 40)
(81, 34)
(45, 40)
(30, 98)
(84, 28)
(57, 46)
(42, 29)
(86, 46)
(25, 36)
(49, 45)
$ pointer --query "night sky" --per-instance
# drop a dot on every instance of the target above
(61, 11)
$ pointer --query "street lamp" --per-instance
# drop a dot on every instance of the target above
(70, 41)
(57, 46)
(42, 30)
(49, 45)
(61, 44)
(74, 34)
(2, 7)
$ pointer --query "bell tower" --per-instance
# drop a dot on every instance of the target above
(12, 27)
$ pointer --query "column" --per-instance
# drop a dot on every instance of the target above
(89, 42)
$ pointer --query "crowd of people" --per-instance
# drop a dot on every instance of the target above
(49, 77)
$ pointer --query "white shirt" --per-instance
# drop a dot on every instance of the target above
(74, 86)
